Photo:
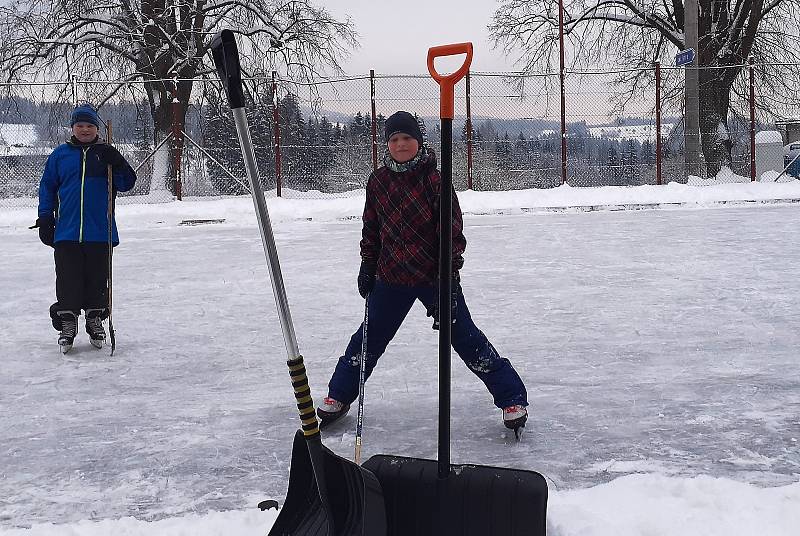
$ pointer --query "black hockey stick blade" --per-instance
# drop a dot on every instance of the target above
(226, 60)
(267, 504)
(112, 336)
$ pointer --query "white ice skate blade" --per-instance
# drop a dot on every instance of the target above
(65, 348)
(97, 343)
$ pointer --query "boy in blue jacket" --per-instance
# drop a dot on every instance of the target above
(73, 219)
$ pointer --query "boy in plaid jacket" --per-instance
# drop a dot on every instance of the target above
(399, 265)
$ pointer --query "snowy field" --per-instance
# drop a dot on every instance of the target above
(659, 348)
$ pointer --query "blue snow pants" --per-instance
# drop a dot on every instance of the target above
(388, 307)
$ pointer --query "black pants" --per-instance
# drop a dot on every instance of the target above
(81, 278)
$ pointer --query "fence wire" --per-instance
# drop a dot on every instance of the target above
(317, 140)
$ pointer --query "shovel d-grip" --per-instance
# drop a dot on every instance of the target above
(447, 83)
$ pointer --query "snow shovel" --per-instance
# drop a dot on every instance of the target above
(328, 495)
(428, 497)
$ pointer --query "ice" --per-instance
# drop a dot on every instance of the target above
(659, 349)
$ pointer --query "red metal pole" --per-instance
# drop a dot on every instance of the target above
(374, 120)
(658, 122)
(469, 137)
(563, 96)
(276, 117)
(752, 119)
(177, 141)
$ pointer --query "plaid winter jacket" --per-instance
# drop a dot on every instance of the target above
(401, 224)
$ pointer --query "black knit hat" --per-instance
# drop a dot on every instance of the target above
(403, 122)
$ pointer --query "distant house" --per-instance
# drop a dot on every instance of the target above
(630, 132)
(21, 140)
(22, 157)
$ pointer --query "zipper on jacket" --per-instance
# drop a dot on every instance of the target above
(83, 181)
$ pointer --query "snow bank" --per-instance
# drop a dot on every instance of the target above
(726, 188)
(632, 505)
(769, 136)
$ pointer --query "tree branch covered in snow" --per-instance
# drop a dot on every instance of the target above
(161, 40)
(164, 43)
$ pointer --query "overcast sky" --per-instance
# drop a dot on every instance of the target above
(395, 36)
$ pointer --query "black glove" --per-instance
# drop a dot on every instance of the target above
(110, 156)
(47, 229)
(366, 278)
(433, 309)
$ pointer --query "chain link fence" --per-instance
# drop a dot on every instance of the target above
(317, 140)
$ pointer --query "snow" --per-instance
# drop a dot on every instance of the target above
(633, 132)
(722, 131)
(20, 140)
(20, 135)
(769, 136)
(659, 348)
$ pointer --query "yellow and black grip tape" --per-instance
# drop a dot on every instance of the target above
(302, 393)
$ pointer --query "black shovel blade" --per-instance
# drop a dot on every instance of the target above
(356, 500)
(473, 500)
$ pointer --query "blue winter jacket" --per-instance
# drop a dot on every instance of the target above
(74, 190)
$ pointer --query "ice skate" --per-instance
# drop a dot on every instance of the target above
(331, 411)
(514, 417)
(69, 328)
(94, 327)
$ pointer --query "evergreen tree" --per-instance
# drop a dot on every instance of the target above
(380, 128)
(422, 127)
(358, 133)
(648, 153)
(293, 142)
(633, 162)
(612, 161)
(503, 152)
(143, 141)
(219, 137)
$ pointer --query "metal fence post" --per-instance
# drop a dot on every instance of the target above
(74, 85)
(658, 122)
(563, 94)
(374, 120)
(276, 133)
(177, 142)
(469, 136)
(752, 118)
(691, 123)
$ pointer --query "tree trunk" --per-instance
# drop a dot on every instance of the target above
(714, 135)
(160, 95)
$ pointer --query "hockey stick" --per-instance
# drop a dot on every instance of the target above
(362, 365)
(110, 216)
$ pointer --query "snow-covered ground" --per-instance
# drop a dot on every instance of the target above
(659, 348)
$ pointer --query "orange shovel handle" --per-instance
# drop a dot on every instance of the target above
(447, 83)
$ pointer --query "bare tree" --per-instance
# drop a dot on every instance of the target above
(164, 43)
(636, 33)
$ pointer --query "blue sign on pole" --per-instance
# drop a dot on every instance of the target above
(684, 57)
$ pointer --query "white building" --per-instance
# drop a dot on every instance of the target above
(630, 132)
